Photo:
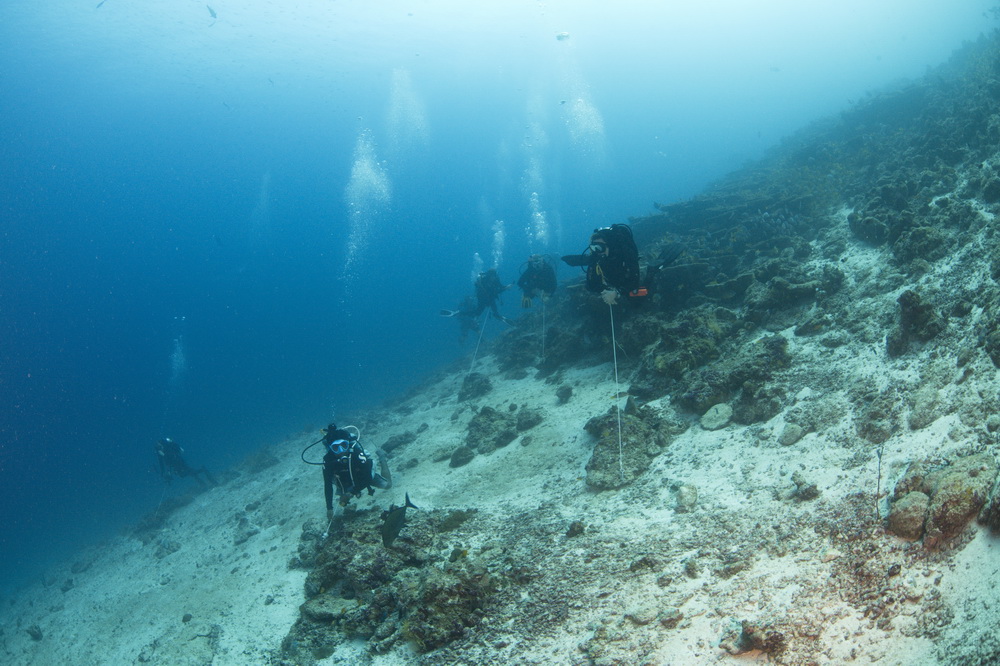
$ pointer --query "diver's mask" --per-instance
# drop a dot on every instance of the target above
(338, 447)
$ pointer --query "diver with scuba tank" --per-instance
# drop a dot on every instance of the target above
(348, 466)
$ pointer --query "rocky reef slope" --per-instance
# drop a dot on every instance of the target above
(826, 349)
(805, 473)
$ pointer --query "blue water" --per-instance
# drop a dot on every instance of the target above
(228, 229)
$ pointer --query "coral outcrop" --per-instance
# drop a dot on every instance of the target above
(935, 504)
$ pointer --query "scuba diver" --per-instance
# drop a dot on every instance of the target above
(488, 290)
(611, 262)
(172, 464)
(348, 465)
(538, 279)
(467, 324)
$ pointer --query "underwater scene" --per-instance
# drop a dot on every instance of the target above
(528, 332)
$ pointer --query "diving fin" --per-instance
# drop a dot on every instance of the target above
(669, 254)
(576, 259)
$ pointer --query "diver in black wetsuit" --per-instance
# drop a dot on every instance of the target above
(611, 264)
(613, 268)
(172, 463)
(538, 279)
(347, 465)
(488, 290)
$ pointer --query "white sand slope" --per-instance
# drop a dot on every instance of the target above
(131, 603)
(646, 582)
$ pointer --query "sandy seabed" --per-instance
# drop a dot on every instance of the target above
(713, 535)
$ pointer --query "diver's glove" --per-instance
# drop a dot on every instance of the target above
(329, 514)
(526, 301)
(609, 296)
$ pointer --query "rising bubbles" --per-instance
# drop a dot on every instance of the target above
(368, 194)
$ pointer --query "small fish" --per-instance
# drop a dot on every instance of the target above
(211, 11)
(100, 3)
(392, 521)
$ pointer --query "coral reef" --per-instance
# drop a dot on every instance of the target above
(490, 429)
(475, 385)
(835, 302)
(918, 321)
(937, 503)
(360, 589)
(643, 437)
